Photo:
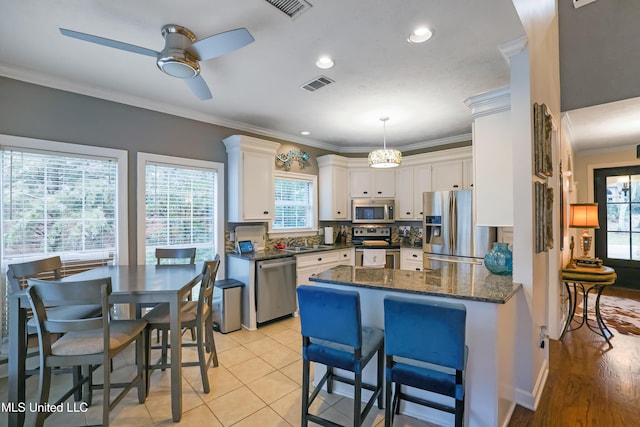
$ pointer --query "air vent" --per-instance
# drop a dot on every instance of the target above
(291, 8)
(317, 83)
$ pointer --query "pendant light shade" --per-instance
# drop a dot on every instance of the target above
(385, 158)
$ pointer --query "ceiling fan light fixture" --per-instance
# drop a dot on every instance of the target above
(385, 158)
(177, 63)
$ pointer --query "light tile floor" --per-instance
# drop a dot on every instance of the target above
(258, 383)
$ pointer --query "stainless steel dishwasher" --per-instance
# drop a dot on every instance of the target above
(275, 288)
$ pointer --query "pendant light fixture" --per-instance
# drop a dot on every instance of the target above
(385, 158)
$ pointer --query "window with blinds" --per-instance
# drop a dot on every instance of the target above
(57, 204)
(295, 202)
(180, 209)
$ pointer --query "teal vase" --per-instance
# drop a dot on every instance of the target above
(499, 260)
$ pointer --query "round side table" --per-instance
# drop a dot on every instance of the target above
(586, 280)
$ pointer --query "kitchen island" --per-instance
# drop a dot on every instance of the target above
(492, 303)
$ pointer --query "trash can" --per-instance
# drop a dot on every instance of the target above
(227, 305)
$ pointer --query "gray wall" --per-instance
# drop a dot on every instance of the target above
(599, 52)
(40, 112)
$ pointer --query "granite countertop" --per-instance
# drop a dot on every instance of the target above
(281, 253)
(454, 280)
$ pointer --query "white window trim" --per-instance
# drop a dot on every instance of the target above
(91, 151)
(313, 179)
(143, 158)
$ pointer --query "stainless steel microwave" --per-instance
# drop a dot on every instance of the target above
(372, 211)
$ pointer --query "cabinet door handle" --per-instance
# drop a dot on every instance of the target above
(379, 192)
(339, 212)
(265, 212)
(407, 213)
(421, 213)
(365, 192)
(456, 186)
(415, 255)
(319, 259)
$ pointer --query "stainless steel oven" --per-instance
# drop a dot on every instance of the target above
(375, 237)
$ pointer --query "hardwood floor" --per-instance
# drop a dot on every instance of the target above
(590, 384)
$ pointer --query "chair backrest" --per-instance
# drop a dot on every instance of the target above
(42, 294)
(205, 296)
(428, 331)
(18, 273)
(330, 314)
(175, 254)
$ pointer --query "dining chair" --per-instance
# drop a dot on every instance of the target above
(197, 315)
(87, 343)
(49, 268)
(333, 335)
(425, 349)
(170, 256)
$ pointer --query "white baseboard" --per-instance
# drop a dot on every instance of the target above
(530, 399)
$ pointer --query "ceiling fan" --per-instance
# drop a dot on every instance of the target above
(181, 52)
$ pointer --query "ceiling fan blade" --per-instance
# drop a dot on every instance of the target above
(221, 43)
(108, 42)
(199, 87)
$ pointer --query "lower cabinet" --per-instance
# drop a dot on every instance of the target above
(411, 259)
(310, 264)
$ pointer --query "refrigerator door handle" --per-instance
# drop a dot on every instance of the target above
(453, 222)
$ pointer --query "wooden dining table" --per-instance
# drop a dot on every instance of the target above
(131, 284)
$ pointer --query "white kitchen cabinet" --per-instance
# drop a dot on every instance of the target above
(421, 184)
(411, 259)
(372, 183)
(251, 164)
(447, 176)
(332, 180)
(405, 197)
(316, 262)
(492, 157)
(467, 173)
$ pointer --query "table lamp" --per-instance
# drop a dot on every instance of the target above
(584, 215)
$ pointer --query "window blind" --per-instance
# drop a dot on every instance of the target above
(180, 209)
(57, 204)
(293, 204)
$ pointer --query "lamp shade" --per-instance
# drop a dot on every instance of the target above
(584, 215)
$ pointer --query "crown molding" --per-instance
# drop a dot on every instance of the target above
(491, 102)
(513, 47)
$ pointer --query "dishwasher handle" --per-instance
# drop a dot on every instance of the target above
(269, 265)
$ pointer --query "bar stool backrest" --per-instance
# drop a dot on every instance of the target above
(428, 331)
(330, 314)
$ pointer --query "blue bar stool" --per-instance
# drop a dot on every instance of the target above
(425, 348)
(333, 335)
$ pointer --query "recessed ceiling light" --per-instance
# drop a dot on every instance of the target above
(420, 35)
(305, 133)
(324, 62)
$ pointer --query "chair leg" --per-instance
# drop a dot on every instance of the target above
(330, 379)
(87, 389)
(396, 400)
(380, 375)
(388, 412)
(459, 413)
(147, 358)
(44, 385)
(142, 382)
(202, 358)
(357, 400)
(77, 377)
(305, 392)
(106, 397)
(165, 344)
(212, 342)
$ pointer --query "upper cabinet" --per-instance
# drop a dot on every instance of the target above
(378, 183)
(492, 158)
(332, 181)
(251, 164)
(447, 176)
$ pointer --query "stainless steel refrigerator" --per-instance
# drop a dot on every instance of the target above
(448, 233)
